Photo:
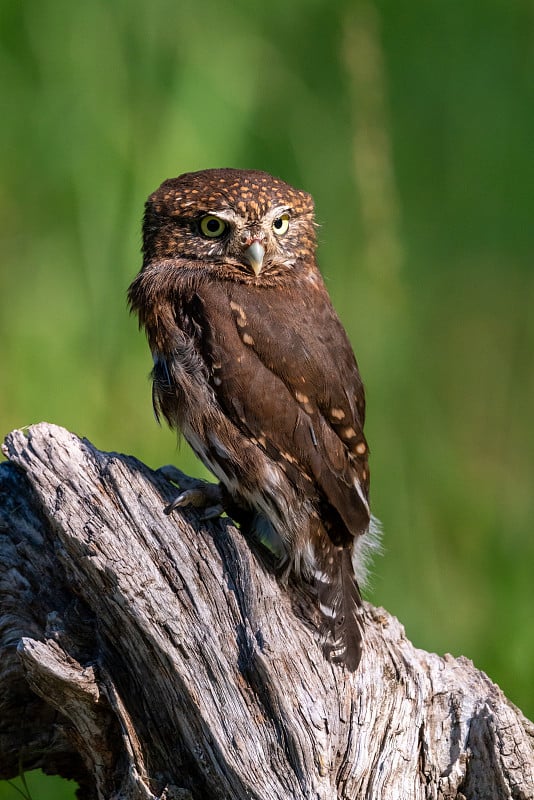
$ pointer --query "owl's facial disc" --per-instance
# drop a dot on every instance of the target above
(255, 254)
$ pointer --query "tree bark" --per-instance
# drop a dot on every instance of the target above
(148, 656)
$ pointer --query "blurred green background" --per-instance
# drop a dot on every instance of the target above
(412, 124)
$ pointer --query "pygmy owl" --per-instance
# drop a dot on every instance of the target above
(253, 366)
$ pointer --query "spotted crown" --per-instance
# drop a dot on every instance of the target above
(250, 192)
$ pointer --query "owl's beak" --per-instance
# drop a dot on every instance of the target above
(254, 254)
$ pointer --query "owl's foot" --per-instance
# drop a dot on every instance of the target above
(193, 492)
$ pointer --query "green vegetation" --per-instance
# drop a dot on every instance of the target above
(412, 125)
(36, 786)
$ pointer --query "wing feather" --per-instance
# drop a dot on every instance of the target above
(299, 381)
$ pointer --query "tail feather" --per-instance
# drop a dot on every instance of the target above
(339, 602)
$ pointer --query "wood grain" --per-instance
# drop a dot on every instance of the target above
(157, 657)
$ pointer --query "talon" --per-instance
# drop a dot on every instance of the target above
(188, 498)
(212, 513)
(194, 492)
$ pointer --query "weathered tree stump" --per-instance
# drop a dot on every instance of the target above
(149, 656)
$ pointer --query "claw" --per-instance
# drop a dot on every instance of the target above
(191, 497)
(212, 513)
(193, 492)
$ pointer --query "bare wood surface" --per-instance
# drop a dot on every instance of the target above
(156, 657)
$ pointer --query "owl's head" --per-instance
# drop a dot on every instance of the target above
(246, 221)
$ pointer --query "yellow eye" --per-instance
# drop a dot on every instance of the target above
(212, 226)
(281, 224)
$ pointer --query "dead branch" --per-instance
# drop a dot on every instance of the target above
(156, 657)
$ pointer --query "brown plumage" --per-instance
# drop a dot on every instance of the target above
(253, 366)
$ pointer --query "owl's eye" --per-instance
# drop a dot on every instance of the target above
(212, 226)
(281, 224)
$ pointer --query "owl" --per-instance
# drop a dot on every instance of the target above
(253, 367)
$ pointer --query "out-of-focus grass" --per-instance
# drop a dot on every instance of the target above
(412, 125)
(37, 786)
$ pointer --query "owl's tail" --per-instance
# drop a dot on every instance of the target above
(339, 602)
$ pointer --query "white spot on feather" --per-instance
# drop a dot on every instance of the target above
(337, 413)
(327, 611)
(321, 576)
(361, 495)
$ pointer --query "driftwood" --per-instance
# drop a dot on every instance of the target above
(149, 656)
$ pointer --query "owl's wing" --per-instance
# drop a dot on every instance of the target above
(287, 377)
